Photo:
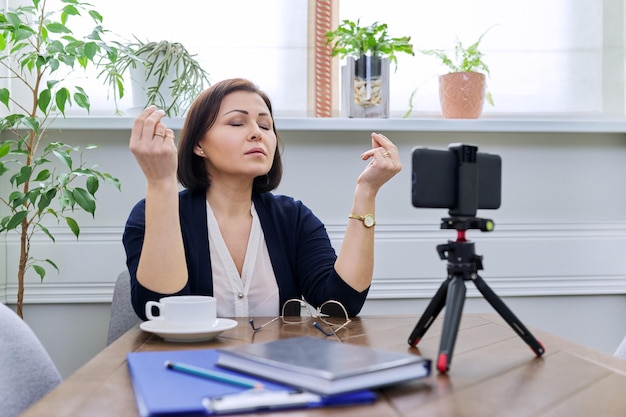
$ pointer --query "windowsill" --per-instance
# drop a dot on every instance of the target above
(484, 124)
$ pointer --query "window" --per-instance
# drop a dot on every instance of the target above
(547, 58)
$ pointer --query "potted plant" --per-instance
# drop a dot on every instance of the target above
(163, 73)
(38, 51)
(462, 91)
(365, 77)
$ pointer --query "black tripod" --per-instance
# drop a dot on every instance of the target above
(463, 265)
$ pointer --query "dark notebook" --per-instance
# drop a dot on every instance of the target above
(324, 366)
(165, 392)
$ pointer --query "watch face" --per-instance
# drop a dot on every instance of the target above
(368, 220)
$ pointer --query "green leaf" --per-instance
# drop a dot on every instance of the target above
(16, 220)
(73, 226)
(51, 212)
(4, 96)
(40, 271)
(63, 157)
(55, 47)
(112, 180)
(23, 176)
(96, 16)
(13, 19)
(71, 10)
(85, 200)
(46, 199)
(43, 175)
(4, 149)
(16, 198)
(31, 123)
(63, 179)
(82, 100)
(47, 232)
(51, 83)
(92, 185)
(33, 194)
(49, 261)
(23, 33)
(3, 42)
(44, 100)
(91, 48)
(58, 28)
(82, 60)
(54, 64)
(40, 63)
(61, 98)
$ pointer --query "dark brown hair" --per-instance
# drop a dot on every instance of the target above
(192, 172)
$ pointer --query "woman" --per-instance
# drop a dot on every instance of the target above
(226, 235)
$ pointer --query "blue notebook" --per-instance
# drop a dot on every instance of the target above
(160, 391)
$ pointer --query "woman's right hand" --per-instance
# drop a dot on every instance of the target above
(152, 144)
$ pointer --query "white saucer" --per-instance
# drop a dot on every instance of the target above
(197, 334)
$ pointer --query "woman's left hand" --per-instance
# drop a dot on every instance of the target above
(384, 164)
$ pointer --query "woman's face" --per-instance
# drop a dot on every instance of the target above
(241, 142)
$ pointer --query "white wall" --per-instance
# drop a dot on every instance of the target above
(556, 255)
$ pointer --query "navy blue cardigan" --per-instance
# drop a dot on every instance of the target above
(298, 244)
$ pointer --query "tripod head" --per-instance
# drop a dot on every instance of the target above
(466, 223)
(460, 253)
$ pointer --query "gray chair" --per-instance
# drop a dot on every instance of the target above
(123, 316)
(621, 349)
(26, 371)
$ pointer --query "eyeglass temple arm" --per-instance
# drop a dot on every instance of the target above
(319, 327)
(251, 321)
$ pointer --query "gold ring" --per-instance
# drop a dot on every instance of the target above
(159, 134)
(386, 155)
(170, 137)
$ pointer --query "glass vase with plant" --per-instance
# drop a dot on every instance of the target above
(368, 46)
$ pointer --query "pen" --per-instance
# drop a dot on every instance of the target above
(216, 376)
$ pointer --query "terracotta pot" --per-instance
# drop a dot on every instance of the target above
(462, 95)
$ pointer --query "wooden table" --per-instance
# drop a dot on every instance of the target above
(493, 373)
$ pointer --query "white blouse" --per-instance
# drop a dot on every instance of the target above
(255, 292)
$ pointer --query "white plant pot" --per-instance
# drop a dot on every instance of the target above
(140, 86)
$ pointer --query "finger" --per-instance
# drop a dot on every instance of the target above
(137, 129)
(386, 145)
(152, 125)
(378, 139)
(169, 134)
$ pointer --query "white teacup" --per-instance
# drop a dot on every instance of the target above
(184, 310)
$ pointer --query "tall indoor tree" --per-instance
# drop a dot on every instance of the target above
(41, 178)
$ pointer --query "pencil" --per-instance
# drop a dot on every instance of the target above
(216, 376)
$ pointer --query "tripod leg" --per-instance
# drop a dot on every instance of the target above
(508, 316)
(430, 314)
(451, 321)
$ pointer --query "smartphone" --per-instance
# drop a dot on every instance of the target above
(459, 179)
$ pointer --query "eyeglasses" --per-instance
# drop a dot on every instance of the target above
(332, 313)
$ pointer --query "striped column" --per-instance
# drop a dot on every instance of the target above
(323, 60)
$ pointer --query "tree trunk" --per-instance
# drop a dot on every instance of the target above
(22, 267)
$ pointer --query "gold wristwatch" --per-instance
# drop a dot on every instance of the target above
(368, 219)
